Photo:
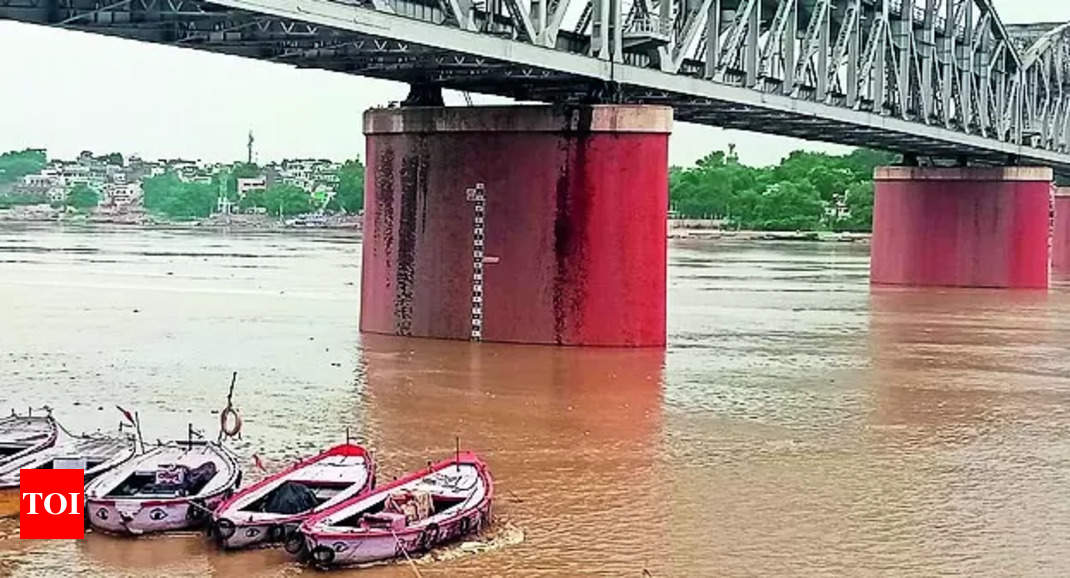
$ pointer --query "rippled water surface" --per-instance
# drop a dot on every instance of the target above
(798, 423)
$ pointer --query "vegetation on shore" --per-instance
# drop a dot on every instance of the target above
(83, 197)
(16, 164)
(170, 196)
(807, 191)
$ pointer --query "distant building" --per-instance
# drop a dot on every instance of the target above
(317, 176)
(249, 184)
(223, 205)
(837, 209)
(122, 195)
(189, 171)
(48, 183)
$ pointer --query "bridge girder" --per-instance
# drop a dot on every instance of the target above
(928, 77)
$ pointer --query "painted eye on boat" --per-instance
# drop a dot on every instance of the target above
(102, 513)
(251, 533)
(157, 514)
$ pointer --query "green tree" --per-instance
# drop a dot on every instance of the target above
(14, 199)
(111, 158)
(287, 199)
(859, 201)
(789, 206)
(350, 195)
(82, 196)
(169, 195)
(711, 189)
(16, 164)
(862, 162)
(792, 195)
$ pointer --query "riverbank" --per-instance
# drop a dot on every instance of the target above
(41, 214)
(677, 229)
(813, 236)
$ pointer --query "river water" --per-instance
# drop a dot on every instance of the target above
(799, 422)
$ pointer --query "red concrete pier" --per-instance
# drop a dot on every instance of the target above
(1060, 235)
(529, 224)
(961, 227)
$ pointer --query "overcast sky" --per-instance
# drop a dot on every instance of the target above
(67, 92)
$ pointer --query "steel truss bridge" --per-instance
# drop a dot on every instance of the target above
(941, 80)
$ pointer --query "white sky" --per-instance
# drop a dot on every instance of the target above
(67, 92)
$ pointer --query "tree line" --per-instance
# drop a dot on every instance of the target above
(13, 166)
(168, 195)
(802, 193)
(805, 191)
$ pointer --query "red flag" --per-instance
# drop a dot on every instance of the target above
(259, 464)
(129, 416)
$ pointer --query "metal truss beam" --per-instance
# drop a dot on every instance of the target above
(901, 74)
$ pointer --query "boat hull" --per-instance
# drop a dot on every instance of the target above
(136, 517)
(256, 534)
(106, 452)
(110, 509)
(464, 485)
(9, 502)
(351, 550)
(15, 431)
(234, 528)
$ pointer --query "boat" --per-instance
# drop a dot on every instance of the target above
(446, 501)
(173, 486)
(94, 453)
(21, 435)
(269, 510)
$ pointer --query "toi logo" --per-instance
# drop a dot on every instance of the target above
(51, 504)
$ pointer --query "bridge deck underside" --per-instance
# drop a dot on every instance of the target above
(345, 38)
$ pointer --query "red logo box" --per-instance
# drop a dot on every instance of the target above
(51, 504)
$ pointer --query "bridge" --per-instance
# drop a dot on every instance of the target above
(945, 82)
(943, 79)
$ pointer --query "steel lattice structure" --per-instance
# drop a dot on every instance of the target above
(940, 79)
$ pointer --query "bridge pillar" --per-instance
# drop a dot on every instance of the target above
(961, 227)
(529, 224)
(1060, 236)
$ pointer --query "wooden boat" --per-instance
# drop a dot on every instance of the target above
(21, 435)
(272, 508)
(93, 453)
(445, 502)
(173, 486)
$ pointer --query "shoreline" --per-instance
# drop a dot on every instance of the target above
(704, 234)
(147, 221)
(353, 223)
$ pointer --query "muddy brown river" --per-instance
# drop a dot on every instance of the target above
(798, 423)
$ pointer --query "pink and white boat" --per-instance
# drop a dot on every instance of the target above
(445, 502)
(271, 509)
(173, 486)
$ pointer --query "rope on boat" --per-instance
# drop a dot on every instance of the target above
(404, 551)
(194, 504)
